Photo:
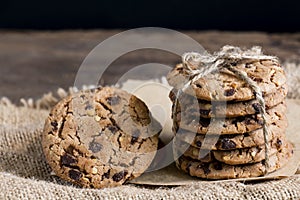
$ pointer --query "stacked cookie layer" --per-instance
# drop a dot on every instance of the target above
(219, 126)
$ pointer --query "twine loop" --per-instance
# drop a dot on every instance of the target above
(199, 65)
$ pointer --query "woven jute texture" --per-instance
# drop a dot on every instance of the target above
(24, 173)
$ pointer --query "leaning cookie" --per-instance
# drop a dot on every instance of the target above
(268, 74)
(218, 170)
(100, 138)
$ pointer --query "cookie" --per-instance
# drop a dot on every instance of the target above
(268, 75)
(238, 156)
(100, 138)
(228, 142)
(239, 125)
(227, 109)
(219, 170)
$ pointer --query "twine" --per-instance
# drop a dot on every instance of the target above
(199, 65)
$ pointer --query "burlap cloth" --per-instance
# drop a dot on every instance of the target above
(24, 173)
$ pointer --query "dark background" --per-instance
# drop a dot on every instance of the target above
(43, 43)
(270, 16)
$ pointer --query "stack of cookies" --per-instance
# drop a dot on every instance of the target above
(219, 130)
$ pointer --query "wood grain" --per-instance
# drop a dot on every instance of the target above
(34, 62)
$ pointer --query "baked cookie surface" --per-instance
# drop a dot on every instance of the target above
(100, 138)
(227, 109)
(227, 142)
(219, 170)
(268, 75)
(238, 156)
(193, 122)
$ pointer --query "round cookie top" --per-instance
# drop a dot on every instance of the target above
(100, 138)
(224, 85)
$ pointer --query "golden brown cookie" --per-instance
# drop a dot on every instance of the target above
(100, 138)
(238, 156)
(268, 75)
(239, 125)
(226, 109)
(219, 170)
(228, 142)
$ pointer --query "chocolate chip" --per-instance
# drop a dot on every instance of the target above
(95, 146)
(241, 151)
(205, 167)
(204, 122)
(133, 139)
(75, 174)
(242, 118)
(67, 159)
(198, 85)
(257, 107)
(198, 143)
(257, 79)
(260, 122)
(227, 143)
(229, 92)
(119, 176)
(278, 143)
(54, 124)
(204, 112)
(247, 65)
(112, 128)
(248, 120)
(218, 166)
(106, 174)
(135, 136)
(113, 100)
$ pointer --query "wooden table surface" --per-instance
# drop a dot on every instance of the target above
(35, 62)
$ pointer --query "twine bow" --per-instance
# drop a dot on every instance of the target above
(199, 65)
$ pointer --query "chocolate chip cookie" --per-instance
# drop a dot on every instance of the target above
(239, 125)
(238, 156)
(226, 109)
(100, 138)
(228, 142)
(219, 170)
(268, 75)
